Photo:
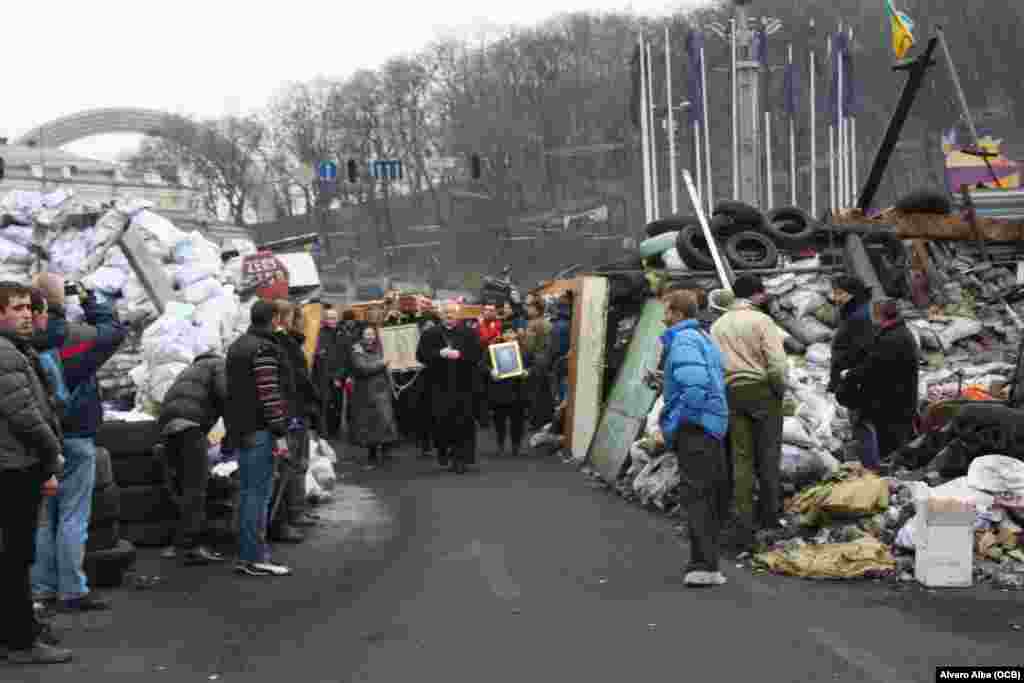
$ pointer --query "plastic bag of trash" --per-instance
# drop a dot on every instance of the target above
(866, 556)
(997, 474)
(656, 479)
(795, 432)
(816, 409)
(803, 465)
(960, 329)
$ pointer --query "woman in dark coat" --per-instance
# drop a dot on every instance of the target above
(373, 415)
(509, 399)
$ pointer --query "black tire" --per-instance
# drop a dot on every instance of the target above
(925, 201)
(128, 439)
(103, 537)
(106, 505)
(669, 224)
(148, 535)
(627, 287)
(749, 250)
(723, 226)
(693, 249)
(104, 470)
(106, 568)
(790, 227)
(147, 504)
(739, 212)
(139, 471)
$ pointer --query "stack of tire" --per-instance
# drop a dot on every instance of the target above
(148, 511)
(747, 238)
(107, 555)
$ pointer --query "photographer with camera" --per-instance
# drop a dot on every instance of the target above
(76, 352)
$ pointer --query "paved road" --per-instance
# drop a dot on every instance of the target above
(519, 571)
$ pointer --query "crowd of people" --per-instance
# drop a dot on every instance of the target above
(723, 379)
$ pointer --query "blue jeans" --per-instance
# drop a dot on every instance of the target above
(256, 475)
(60, 542)
(865, 436)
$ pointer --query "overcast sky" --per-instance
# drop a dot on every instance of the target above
(214, 57)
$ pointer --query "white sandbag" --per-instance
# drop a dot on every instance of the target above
(780, 285)
(158, 228)
(672, 259)
(816, 410)
(161, 379)
(22, 203)
(232, 271)
(196, 249)
(17, 234)
(927, 338)
(960, 329)
(819, 355)
(997, 474)
(106, 279)
(323, 472)
(190, 273)
(13, 253)
(806, 464)
(133, 206)
(244, 247)
(794, 432)
(814, 330)
(170, 340)
(116, 259)
(203, 290)
(803, 302)
(139, 374)
(109, 226)
(57, 198)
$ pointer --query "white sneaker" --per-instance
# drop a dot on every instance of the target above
(271, 569)
(699, 578)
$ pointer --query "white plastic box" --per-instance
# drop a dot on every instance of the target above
(944, 540)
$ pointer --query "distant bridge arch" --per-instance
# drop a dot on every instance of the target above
(84, 124)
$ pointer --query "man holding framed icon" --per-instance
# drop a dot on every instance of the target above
(507, 391)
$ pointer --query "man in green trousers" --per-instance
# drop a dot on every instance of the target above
(755, 377)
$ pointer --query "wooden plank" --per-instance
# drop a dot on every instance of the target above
(150, 273)
(586, 363)
(630, 399)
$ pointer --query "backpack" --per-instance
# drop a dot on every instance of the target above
(54, 369)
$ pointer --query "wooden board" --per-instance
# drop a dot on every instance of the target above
(586, 363)
(630, 400)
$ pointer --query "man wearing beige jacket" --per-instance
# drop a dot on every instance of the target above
(755, 377)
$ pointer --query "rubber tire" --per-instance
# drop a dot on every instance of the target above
(925, 201)
(128, 439)
(103, 537)
(104, 469)
(148, 535)
(693, 250)
(106, 568)
(106, 505)
(138, 471)
(740, 212)
(769, 259)
(142, 504)
(673, 223)
(627, 287)
(723, 226)
(791, 228)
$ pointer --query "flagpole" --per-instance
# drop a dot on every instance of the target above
(832, 167)
(674, 187)
(851, 140)
(792, 134)
(814, 133)
(770, 190)
(735, 120)
(841, 122)
(853, 155)
(709, 184)
(697, 159)
(645, 150)
(653, 138)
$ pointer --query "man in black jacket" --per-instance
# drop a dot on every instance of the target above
(451, 355)
(888, 379)
(30, 460)
(190, 409)
(257, 415)
(854, 336)
(325, 370)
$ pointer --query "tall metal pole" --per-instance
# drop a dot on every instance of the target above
(851, 140)
(697, 142)
(709, 184)
(841, 122)
(644, 133)
(653, 138)
(961, 98)
(735, 115)
(853, 160)
(814, 130)
(769, 178)
(673, 185)
(792, 139)
(833, 204)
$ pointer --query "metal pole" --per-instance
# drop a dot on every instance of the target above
(770, 190)
(735, 117)
(792, 144)
(814, 135)
(841, 133)
(697, 158)
(853, 159)
(709, 184)
(851, 176)
(648, 217)
(653, 138)
(725, 274)
(961, 98)
(832, 167)
(673, 183)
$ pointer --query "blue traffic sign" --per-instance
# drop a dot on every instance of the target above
(328, 170)
(391, 168)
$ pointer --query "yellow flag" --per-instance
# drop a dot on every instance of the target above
(902, 31)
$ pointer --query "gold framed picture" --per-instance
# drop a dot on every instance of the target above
(399, 346)
(507, 359)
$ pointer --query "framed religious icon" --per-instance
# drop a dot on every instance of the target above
(506, 359)
(398, 344)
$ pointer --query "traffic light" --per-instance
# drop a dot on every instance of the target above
(353, 171)
(474, 164)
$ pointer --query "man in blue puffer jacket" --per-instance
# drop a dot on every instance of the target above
(693, 424)
(561, 344)
(78, 351)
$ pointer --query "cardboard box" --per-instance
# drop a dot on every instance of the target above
(944, 542)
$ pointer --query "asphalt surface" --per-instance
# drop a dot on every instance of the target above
(520, 570)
